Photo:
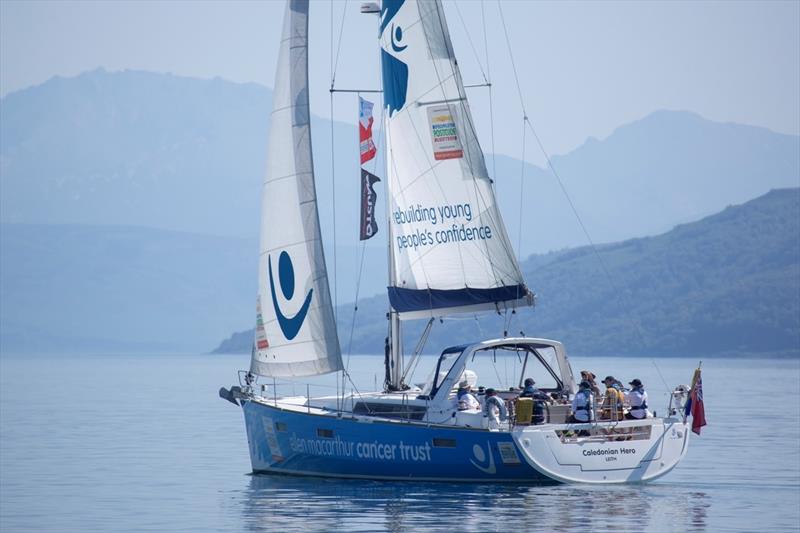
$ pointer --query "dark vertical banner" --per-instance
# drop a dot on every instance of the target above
(368, 197)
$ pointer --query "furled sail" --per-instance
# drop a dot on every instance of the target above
(295, 332)
(449, 249)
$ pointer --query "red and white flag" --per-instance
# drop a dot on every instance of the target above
(365, 120)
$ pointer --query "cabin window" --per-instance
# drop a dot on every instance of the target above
(325, 433)
(280, 426)
(444, 443)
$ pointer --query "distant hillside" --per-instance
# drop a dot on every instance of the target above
(156, 150)
(121, 289)
(129, 205)
(727, 284)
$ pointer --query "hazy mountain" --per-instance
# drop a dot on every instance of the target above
(727, 284)
(88, 164)
(162, 151)
(668, 168)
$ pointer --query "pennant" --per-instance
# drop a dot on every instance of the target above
(368, 225)
(365, 120)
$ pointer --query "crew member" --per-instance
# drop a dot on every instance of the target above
(583, 404)
(637, 398)
(613, 400)
(495, 409)
(590, 377)
(539, 400)
(465, 398)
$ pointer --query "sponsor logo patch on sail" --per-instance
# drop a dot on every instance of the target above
(261, 334)
(444, 132)
(290, 326)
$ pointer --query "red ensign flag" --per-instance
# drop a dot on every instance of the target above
(695, 405)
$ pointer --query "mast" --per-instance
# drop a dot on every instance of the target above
(394, 347)
(393, 344)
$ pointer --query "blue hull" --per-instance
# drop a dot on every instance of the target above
(291, 442)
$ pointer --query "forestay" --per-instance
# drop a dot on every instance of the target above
(295, 330)
(449, 249)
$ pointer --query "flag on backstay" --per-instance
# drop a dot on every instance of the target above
(695, 405)
(368, 225)
(365, 120)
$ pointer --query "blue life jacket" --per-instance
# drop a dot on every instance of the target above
(640, 390)
(587, 405)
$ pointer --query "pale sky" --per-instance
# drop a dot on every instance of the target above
(585, 67)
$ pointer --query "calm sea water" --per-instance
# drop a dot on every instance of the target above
(143, 443)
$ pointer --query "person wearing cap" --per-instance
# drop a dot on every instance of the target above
(465, 398)
(495, 409)
(539, 400)
(590, 377)
(637, 398)
(613, 400)
(583, 404)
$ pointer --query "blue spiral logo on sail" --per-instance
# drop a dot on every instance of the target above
(290, 326)
(394, 71)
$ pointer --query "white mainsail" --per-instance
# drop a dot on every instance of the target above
(296, 332)
(448, 245)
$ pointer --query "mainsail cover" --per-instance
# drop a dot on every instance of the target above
(449, 248)
(299, 336)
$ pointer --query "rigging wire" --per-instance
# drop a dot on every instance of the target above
(489, 83)
(511, 56)
(333, 183)
(593, 246)
(521, 193)
(471, 44)
(664, 381)
(339, 45)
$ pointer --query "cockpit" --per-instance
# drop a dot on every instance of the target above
(503, 365)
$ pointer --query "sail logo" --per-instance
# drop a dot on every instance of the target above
(444, 132)
(394, 71)
(290, 326)
(480, 456)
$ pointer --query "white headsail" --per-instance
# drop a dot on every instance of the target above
(295, 333)
(449, 248)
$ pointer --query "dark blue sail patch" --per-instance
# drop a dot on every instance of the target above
(394, 71)
(290, 326)
(395, 82)
(389, 9)
(406, 300)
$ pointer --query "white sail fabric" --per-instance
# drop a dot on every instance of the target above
(449, 248)
(295, 332)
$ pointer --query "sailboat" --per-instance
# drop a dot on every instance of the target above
(449, 254)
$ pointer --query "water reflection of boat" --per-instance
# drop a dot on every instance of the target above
(280, 503)
(449, 254)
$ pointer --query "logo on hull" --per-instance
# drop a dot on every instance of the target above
(480, 455)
